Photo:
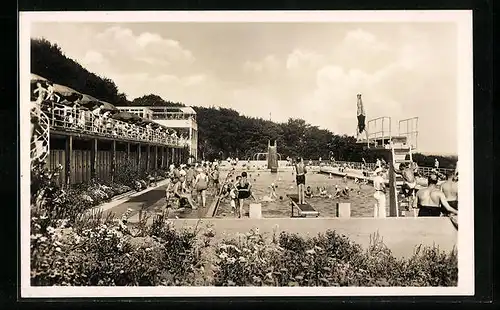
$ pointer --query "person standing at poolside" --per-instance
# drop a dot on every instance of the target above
(450, 190)
(200, 186)
(244, 191)
(300, 171)
(379, 195)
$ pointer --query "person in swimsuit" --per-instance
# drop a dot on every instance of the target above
(450, 190)
(309, 192)
(190, 176)
(244, 191)
(215, 179)
(429, 200)
(300, 171)
(361, 118)
(201, 185)
(409, 180)
(179, 191)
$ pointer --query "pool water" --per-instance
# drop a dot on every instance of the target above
(361, 197)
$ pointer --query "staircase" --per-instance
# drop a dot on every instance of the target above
(400, 150)
(39, 136)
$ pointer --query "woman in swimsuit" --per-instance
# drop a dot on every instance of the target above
(201, 185)
(244, 191)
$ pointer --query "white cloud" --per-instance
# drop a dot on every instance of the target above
(145, 47)
(270, 64)
(93, 57)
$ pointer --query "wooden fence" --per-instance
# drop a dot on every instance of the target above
(79, 165)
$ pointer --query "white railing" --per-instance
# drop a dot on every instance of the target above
(39, 148)
(172, 116)
(423, 171)
(66, 118)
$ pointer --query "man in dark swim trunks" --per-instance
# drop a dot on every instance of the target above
(450, 190)
(429, 200)
(300, 171)
(361, 118)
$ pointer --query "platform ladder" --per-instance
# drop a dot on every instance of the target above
(400, 151)
(39, 148)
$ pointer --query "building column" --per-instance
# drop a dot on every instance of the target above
(139, 157)
(113, 160)
(162, 151)
(190, 143)
(93, 159)
(148, 157)
(69, 157)
(173, 156)
(156, 157)
(128, 151)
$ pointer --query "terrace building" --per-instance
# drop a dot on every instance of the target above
(181, 119)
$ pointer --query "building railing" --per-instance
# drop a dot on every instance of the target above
(423, 171)
(67, 118)
(173, 116)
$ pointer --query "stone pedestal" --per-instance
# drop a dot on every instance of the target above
(255, 211)
(343, 209)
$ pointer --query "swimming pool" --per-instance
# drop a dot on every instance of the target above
(361, 196)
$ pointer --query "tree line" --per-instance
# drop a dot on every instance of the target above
(222, 132)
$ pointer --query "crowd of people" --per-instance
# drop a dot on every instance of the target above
(96, 118)
(434, 200)
(188, 184)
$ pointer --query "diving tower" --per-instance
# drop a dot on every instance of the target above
(396, 149)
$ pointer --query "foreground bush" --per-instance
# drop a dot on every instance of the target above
(106, 253)
(327, 260)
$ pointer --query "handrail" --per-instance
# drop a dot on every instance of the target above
(84, 121)
(40, 136)
(424, 171)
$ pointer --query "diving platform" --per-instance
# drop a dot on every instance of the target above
(303, 210)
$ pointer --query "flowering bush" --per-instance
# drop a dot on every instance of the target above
(328, 260)
(107, 254)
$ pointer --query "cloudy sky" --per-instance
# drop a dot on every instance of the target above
(307, 70)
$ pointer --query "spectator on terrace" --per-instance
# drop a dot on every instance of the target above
(42, 92)
(97, 117)
(51, 95)
(436, 163)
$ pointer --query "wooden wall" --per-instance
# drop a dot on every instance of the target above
(81, 158)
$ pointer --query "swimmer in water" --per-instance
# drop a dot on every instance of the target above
(273, 194)
(337, 191)
(345, 192)
(309, 192)
(323, 192)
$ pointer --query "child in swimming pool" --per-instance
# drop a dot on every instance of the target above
(322, 191)
(309, 192)
(273, 194)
